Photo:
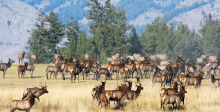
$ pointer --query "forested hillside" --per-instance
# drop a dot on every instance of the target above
(109, 28)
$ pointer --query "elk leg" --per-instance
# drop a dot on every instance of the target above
(19, 74)
(4, 73)
(47, 75)
(78, 78)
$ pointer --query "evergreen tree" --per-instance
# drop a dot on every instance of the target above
(134, 42)
(54, 36)
(36, 43)
(82, 45)
(72, 34)
(110, 26)
(210, 35)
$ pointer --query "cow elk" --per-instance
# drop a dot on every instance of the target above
(52, 69)
(5, 66)
(34, 58)
(132, 95)
(30, 68)
(215, 81)
(24, 105)
(22, 69)
(21, 57)
(173, 99)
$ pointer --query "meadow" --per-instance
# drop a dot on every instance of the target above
(64, 96)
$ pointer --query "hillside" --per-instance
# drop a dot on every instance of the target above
(18, 16)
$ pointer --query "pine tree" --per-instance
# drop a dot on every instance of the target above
(72, 34)
(54, 36)
(210, 35)
(134, 42)
(82, 45)
(36, 43)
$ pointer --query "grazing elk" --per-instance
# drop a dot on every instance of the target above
(22, 69)
(52, 69)
(21, 57)
(30, 68)
(34, 58)
(215, 81)
(132, 95)
(23, 104)
(104, 71)
(5, 66)
(37, 92)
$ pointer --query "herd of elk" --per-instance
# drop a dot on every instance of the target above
(119, 94)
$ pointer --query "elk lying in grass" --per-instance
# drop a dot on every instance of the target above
(132, 95)
(173, 99)
(52, 69)
(30, 68)
(215, 81)
(23, 104)
(22, 69)
(37, 92)
(5, 66)
(169, 91)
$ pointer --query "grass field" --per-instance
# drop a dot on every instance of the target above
(64, 96)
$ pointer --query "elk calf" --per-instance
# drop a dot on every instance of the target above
(23, 104)
(22, 69)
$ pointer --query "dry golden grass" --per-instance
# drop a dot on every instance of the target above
(64, 96)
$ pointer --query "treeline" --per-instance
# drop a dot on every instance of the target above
(111, 33)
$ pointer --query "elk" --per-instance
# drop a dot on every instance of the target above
(137, 83)
(115, 95)
(22, 69)
(52, 69)
(59, 56)
(5, 66)
(30, 68)
(23, 104)
(172, 99)
(21, 57)
(169, 91)
(37, 92)
(132, 95)
(215, 81)
(194, 80)
(34, 58)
